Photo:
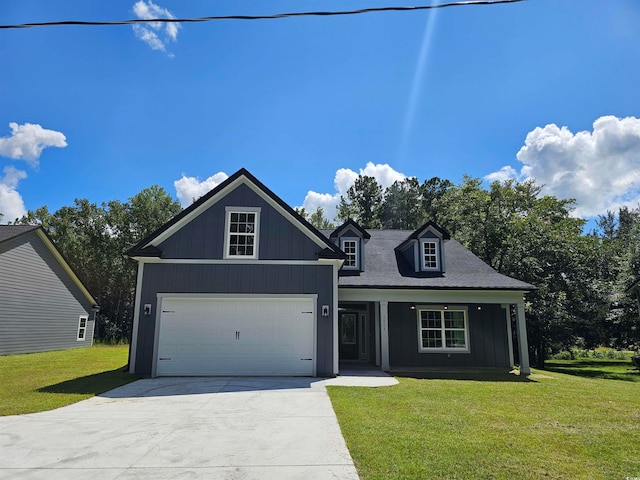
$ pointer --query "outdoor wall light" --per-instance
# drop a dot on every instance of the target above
(446, 307)
(479, 307)
(147, 309)
(412, 307)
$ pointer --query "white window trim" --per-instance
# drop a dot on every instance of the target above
(424, 241)
(357, 253)
(82, 329)
(227, 233)
(441, 309)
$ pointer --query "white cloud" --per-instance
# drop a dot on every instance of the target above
(189, 189)
(11, 204)
(600, 169)
(343, 180)
(154, 34)
(27, 142)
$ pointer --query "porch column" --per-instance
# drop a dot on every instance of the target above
(507, 310)
(384, 333)
(376, 324)
(523, 344)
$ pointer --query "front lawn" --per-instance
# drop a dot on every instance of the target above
(552, 425)
(35, 382)
(596, 368)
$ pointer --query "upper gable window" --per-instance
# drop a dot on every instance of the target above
(241, 232)
(350, 247)
(430, 254)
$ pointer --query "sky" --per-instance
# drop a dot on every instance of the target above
(542, 89)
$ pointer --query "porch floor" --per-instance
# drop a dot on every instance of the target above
(355, 374)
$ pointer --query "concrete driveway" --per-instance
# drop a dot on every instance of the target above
(193, 428)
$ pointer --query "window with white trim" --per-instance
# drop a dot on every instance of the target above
(429, 255)
(241, 239)
(443, 329)
(350, 247)
(82, 328)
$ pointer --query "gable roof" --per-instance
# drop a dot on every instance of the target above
(386, 268)
(9, 232)
(350, 223)
(420, 230)
(147, 246)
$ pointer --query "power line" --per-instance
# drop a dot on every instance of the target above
(260, 17)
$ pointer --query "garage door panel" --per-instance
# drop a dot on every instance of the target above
(242, 336)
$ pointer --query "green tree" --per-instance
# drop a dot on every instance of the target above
(402, 205)
(363, 203)
(533, 238)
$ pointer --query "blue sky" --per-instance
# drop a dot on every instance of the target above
(543, 89)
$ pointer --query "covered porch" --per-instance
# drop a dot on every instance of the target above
(378, 330)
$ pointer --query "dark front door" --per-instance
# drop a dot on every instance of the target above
(348, 336)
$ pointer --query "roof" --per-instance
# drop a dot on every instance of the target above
(350, 223)
(8, 232)
(142, 249)
(384, 268)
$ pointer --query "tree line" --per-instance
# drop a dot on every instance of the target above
(580, 277)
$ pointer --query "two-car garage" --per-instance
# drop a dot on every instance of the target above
(242, 335)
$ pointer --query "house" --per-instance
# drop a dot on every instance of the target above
(240, 284)
(43, 303)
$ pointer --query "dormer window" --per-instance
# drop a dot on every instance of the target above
(241, 239)
(351, 238)
(430, 253)
(350, 247)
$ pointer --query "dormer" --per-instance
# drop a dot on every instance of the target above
(424, 249)
(351, 238)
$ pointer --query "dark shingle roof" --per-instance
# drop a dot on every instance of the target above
(7, 232)
(383, 269)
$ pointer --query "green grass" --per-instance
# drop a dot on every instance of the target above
(36, 382)
(554, 426)
(596, 368)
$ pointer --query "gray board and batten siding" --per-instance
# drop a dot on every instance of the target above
(233, 279)
(488, 340)
(40, 305)
(203, 239)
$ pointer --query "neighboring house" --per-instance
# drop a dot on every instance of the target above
(240, 284)
(43, 304)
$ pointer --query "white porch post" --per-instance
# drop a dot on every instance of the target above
(384, 333)
(523, 344)
(376, 324)
(507, 310)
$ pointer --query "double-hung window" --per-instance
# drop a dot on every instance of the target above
(350, 247)
(429, 254)
(241, 239)
(443, 329)
(82, 328)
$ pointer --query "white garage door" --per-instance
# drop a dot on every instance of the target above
(236, 336)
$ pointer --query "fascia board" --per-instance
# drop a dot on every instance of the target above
(431, 296)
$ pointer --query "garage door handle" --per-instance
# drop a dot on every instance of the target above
(164, 358)
(306, 359)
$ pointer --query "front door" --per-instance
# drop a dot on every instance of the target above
(349, 336)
